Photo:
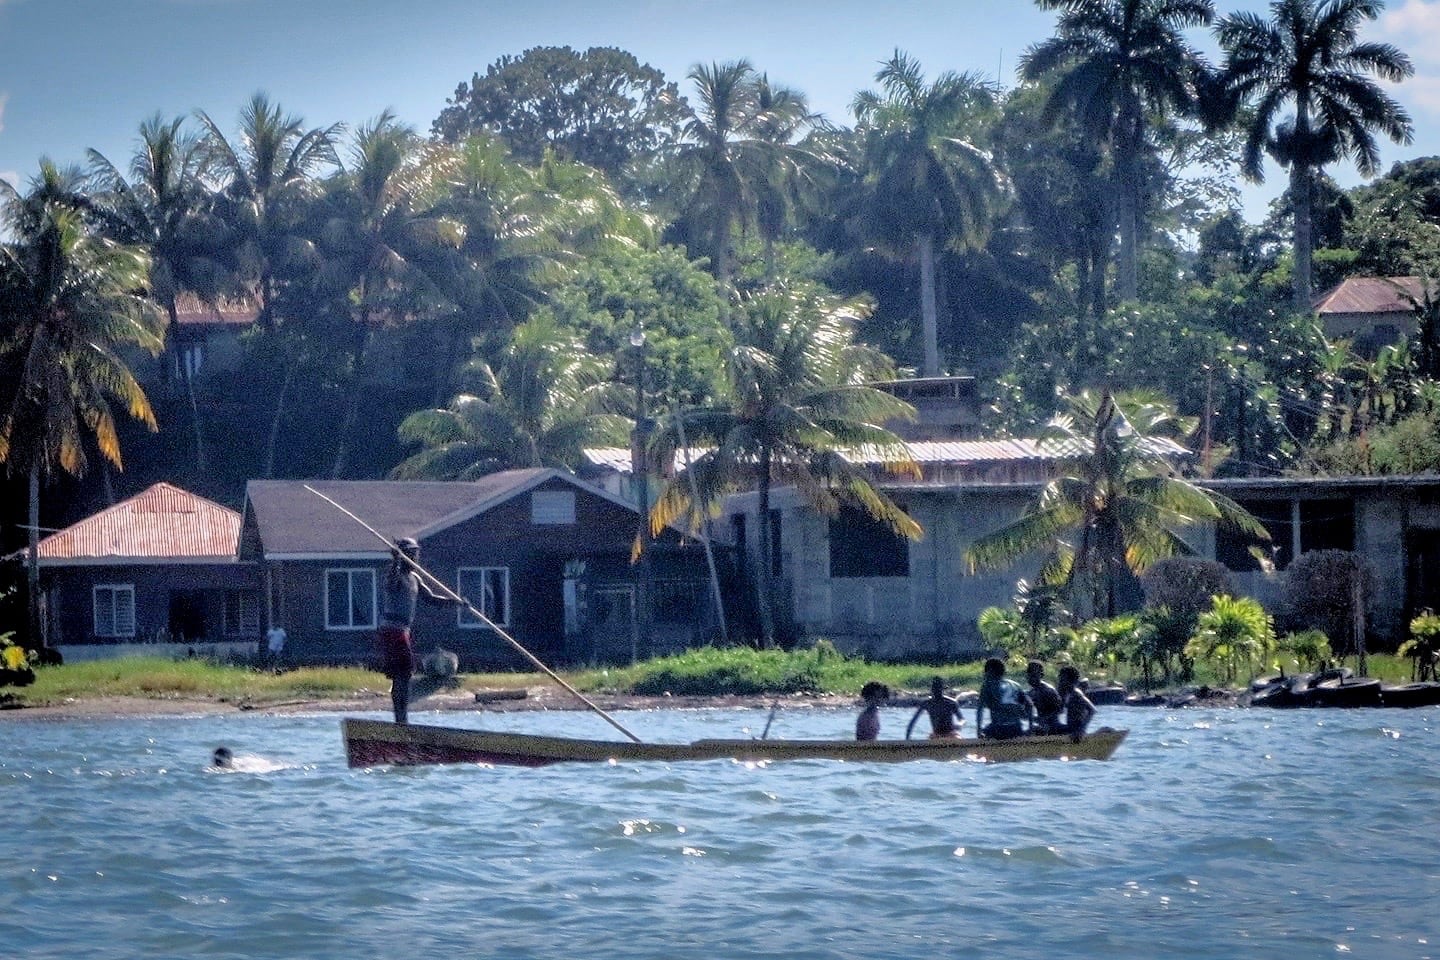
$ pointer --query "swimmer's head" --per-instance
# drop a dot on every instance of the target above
(222, 757)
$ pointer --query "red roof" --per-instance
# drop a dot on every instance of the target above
(191, 311)
(163, 522)
(1371, 295)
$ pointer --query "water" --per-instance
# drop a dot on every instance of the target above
(1211, 834)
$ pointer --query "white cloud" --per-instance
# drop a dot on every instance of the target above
(1414, 27)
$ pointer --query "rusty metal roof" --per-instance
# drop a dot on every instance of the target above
(191, 311)
(1371, 295)
(161, 523)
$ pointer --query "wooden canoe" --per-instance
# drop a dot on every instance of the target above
(373, 742)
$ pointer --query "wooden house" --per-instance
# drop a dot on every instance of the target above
(156, 574)
(544, 555)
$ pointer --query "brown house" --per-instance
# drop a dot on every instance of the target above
(1371, 312)
(543, 555)
(156, 569)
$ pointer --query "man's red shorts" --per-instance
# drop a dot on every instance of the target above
(397, 658)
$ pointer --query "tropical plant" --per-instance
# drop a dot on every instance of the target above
(163, 205)
(799, 397)
(1307, 648)
(381, 241)
(1236, 632)
(70, 302)
(925, 185)
(1120, 502)
(15, 669)
(538, 406)
(1128, 639)
(1423, 647)
(1308, 56)
(1002, 628)
(1119, 63)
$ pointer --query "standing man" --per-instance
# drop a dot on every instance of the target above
(402, 588)
(275, 644)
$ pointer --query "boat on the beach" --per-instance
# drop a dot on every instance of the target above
(376, 742)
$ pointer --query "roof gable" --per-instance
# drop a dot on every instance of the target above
(291, 520)
(1371, 295)
(162, 522)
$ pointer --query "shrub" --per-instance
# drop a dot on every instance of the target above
(1185, 584)
(1235, 632)
(1309, 648)
(1328, 590)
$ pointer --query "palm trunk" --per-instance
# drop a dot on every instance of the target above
(32, 572)
(1303, 239)
(762, 578)
(929, 319)
(1128, 270)
(352, 403)
(273, 439)
(184, 368)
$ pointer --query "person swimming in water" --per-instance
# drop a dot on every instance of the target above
(223, 758)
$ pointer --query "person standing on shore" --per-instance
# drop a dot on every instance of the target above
(403, 587)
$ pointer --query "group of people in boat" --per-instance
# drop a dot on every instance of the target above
(1013, 710)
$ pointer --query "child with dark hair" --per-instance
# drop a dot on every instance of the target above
(1045, 699)
(1009, 705)
(1078, 708)
(874, 693)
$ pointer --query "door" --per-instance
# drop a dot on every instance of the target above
(187, 616)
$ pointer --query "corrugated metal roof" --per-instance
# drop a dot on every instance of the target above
(1371, 295)
(191, 311)
(161, 522)
(935, 452)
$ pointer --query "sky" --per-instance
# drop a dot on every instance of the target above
(78, 74)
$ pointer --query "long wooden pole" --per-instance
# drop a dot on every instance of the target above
(414, 565)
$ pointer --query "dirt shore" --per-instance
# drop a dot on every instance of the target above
(535, 698)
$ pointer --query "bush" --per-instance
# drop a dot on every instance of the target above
(1186, 584)
(1329, 590)
(1309, 648)
(1235, 632)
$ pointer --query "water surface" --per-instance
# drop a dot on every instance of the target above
(1212, 834)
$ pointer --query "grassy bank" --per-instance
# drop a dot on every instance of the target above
(737, 671)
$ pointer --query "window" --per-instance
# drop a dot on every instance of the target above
(552, 507)
(349, 599)
(115, 610)
(488, 590)
(242, 613)
(861, 546)
(189, 360)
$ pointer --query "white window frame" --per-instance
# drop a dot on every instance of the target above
(464, 619)
(552, 508)
(247, 603)
(112, 591)
(352, 573)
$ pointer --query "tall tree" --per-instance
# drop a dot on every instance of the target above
(268, 179)
(601, 107)
(798, 398)
(1117, 62)
(539, 406)
(70, 301)
(1308, 57)
(1120, 507)
(163, 205)
(385, 245)
(924, 184)
(733, 154)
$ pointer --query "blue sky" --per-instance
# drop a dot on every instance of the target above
(83, 73)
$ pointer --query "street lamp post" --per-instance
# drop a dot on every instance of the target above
(640, 474)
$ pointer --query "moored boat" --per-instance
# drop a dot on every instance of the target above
(1346, 692)
(1411, 695)
(375, 742)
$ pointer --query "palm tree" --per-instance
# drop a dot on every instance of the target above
(538, 407)
(1121, 505)
(1308, 57)
(735, 152)
(267, 181)
(163, 206)
(923, 183)
(1117, 62)
(798, 399)
(69, 301)
(381, 240)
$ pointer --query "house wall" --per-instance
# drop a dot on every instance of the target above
(503, 536)
(70, 598)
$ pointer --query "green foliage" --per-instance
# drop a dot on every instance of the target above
(1307, 648)
(1328, 590)
(1235, 632)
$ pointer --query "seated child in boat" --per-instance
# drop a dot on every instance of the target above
(874, 693)
(1078, 709)
(945, 719)
(1045, 699)
(1009, 705)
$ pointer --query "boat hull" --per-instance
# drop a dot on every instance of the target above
(378, 742)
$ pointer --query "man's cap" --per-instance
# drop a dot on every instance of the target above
(408, 544)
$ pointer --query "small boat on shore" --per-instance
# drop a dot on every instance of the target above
(375, 742)
(1411, 695)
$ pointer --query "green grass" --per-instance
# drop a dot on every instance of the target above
(710, 671)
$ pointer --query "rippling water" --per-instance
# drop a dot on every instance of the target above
(1211, 834)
